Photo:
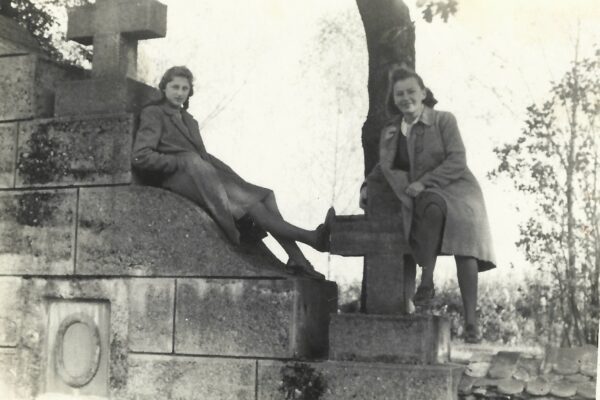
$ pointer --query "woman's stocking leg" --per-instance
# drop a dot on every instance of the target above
(467, 273)
(428, 235)
(288, 245)
(278, 227)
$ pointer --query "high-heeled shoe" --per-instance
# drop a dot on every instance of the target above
(472, 334)
(324, 231)
(307, 270)
(424, 296)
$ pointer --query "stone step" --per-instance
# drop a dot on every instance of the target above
(28, 84)
(185, 378)
(369, 381)
(405, 339)
(157, 377)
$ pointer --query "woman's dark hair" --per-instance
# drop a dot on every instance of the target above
(399, 74)
(180, 71)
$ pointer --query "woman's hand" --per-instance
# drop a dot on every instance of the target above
(414, 189)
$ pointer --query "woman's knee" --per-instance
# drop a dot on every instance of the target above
(433, 214)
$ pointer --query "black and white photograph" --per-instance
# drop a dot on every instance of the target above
(299, 200)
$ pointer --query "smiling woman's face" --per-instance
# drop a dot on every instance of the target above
(177, 91)
(409, 96)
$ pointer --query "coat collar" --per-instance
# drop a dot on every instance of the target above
(427, 116)
(167, 109)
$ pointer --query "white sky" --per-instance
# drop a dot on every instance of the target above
(260, 57)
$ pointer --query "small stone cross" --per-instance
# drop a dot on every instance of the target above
(388, 281)
(114, 28)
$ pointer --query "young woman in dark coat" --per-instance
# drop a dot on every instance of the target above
(168, 145)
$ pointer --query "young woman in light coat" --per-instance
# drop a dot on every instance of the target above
(169, 146)
(422, 157)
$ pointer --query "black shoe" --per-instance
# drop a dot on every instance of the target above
(324, 231)
(472, 334)
(424, 296)
(309, 270)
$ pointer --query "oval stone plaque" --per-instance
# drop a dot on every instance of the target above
(77, 350)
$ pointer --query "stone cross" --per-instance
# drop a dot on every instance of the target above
(114, 28)
(388, 276)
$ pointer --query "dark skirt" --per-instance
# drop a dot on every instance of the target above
(219, 191)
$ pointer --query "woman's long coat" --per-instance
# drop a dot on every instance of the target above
(437, 160)
(168, 144)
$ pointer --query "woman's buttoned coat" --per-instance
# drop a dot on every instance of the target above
(437, 160)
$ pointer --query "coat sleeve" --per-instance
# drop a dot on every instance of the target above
(455, 162)
(145, 155)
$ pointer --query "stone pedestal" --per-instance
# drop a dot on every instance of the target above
(409, 339)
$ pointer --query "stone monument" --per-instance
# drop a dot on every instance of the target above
(115, 290)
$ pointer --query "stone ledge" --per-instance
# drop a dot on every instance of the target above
(102, 96)
(410, 339)
(370, 381)
(75, 151)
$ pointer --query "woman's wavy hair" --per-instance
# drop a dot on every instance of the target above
(180, 71)
(399, 74)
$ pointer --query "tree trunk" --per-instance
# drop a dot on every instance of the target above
(390, 40)
(570, 194)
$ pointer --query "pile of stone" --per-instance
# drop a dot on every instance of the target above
(560, 373)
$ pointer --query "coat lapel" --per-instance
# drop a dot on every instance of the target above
(388, 148)
(194, 132)
(191, 132)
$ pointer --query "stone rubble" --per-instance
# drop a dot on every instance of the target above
(559, 373)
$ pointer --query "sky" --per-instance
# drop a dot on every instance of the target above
(277, 104)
